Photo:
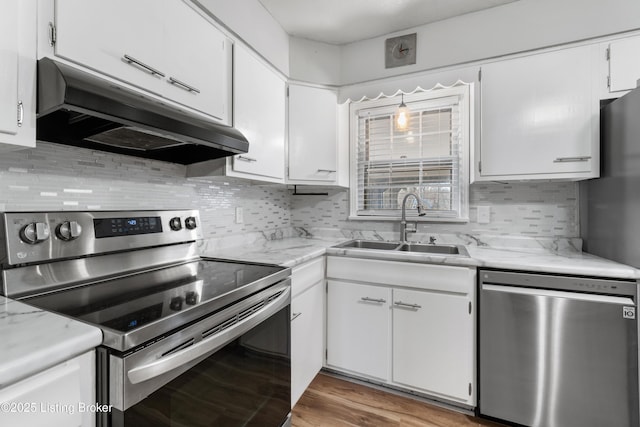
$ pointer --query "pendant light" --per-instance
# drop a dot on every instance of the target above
(402, 116)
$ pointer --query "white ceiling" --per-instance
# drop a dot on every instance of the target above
(345, 21)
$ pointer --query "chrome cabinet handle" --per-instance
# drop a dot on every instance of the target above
(327, 170)
(571, 159)
(20, 114)
(131, 60)
(183, 85)
(295, 316)
(246, 159)
(378, 300)
(404, 304)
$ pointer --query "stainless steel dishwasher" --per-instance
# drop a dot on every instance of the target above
(558, 351)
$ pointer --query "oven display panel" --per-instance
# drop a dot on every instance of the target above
(112, 227)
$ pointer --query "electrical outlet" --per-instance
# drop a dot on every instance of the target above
(484, 214)
(239, 215)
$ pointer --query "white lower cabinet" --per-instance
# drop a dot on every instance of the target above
(307, 325)
(358, 328)
(61, 396)
(406, 325)
(432, 342)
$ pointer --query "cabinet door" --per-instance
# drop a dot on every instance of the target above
(198, 62)
(57, 397)
(433, 343)
(624, 64)
(307, 338)
(358, 328)
(17, 69)
(540, 116)
(259, 113)
(102, 35)
(312, 134)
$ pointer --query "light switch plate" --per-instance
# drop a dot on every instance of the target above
(484, 214)
(239, 215)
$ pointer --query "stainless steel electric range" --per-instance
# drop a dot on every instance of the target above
(187, 340)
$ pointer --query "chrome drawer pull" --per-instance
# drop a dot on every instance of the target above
(295, 316)
(404, 304)
(367, 299)
(134, 61)
(246, 159)
(326, 170)
(183, 85)
(572, 159)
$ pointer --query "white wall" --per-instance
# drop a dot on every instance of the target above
(515, 27)
(251, 22)
(314, 62)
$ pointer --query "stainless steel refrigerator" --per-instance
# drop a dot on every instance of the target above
(610, 205)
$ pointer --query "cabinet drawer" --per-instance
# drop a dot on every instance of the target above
(306, 275)
(414, 275)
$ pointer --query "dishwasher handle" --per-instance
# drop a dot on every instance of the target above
(579, 296)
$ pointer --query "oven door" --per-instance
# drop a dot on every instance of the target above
(230, 369)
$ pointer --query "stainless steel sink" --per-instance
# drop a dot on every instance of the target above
(370, 244)
(430, 249)
(424, 248)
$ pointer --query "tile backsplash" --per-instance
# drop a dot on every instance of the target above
(57, 177)
(547, 209)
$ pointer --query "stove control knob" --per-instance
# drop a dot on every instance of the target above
(175, 304)
(175, 223)
(68, 230)
(191, 298)
(190, 223)
(35, 232)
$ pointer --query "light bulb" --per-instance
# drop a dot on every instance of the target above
(402, 117)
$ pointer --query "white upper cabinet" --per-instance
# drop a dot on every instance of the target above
(199, 72)
(624, 64)
(540, 117)
(18, 74)
(259, 112)
(259, 103)
(119, 38)
(165, 47)
(313, 135)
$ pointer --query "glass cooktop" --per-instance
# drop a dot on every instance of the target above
(133, 309)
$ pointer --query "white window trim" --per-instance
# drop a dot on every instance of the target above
(466, 115)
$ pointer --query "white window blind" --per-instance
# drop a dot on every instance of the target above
(428, 158)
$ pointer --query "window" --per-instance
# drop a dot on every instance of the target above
(429, 158)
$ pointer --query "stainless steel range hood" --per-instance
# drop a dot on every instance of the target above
(77, 108)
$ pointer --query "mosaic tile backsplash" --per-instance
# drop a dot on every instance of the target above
(548, 209)
(56, 177)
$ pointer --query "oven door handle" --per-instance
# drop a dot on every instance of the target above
(209, 344)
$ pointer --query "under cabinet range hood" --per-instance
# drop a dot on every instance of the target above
(80, 109)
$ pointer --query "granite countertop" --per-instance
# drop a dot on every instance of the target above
(550, 255)
(34, 340)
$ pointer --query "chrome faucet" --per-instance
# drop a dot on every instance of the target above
(403, 219)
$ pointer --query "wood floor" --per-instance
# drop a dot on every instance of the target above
(330, 401)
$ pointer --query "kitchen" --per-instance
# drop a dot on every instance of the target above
(280, 215)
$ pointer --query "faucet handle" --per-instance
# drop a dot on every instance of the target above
(432, 240)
